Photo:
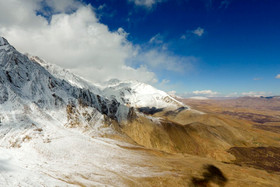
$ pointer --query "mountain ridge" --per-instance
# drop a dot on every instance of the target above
(126, 92)
(28, 80)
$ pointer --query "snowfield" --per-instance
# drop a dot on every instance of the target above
(37, 148)
(49, 154)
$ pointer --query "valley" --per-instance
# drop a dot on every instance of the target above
(261, 115)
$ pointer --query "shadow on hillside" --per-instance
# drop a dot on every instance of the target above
(150, 110)
(266, 158)
(211, 174)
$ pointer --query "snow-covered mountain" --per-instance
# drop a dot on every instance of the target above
(138, 94)
(25, 80)
(130, 93)
(52, 121)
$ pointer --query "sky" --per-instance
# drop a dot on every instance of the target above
(211, 48)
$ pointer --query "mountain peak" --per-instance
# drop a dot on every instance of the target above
(3, 41)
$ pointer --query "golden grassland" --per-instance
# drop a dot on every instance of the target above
(227, 136)
(183, 142)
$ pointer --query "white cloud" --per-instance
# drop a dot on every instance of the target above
(101, 7)
(157, 39)
(190, 34)
(199, 31)
(172, 92)
(205, 92)
(146, 3)
(161, 60)
(158, 42)
(277, 76)
(200, 94)
(199, 98)
(76, 40)
(16, 13)
(255, 94)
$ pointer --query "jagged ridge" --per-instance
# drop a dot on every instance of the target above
(28, 80)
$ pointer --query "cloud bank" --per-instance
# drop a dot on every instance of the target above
(76, 40)
(277, 76)
(255, 94)
(208, 93)
(68, 33)
(200, 94)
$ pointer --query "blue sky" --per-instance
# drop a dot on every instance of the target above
(191, 47)
(237, 50)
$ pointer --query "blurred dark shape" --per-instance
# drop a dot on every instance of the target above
(211, 174)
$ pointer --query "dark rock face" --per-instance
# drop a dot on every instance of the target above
(175, 112)
(4, 95)
(3, 41)
(150, 110)
(131, 114)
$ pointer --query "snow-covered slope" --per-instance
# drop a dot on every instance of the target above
(137, 94)
(44, 120)
(24, 80)
(38, 149)
(64, 74)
